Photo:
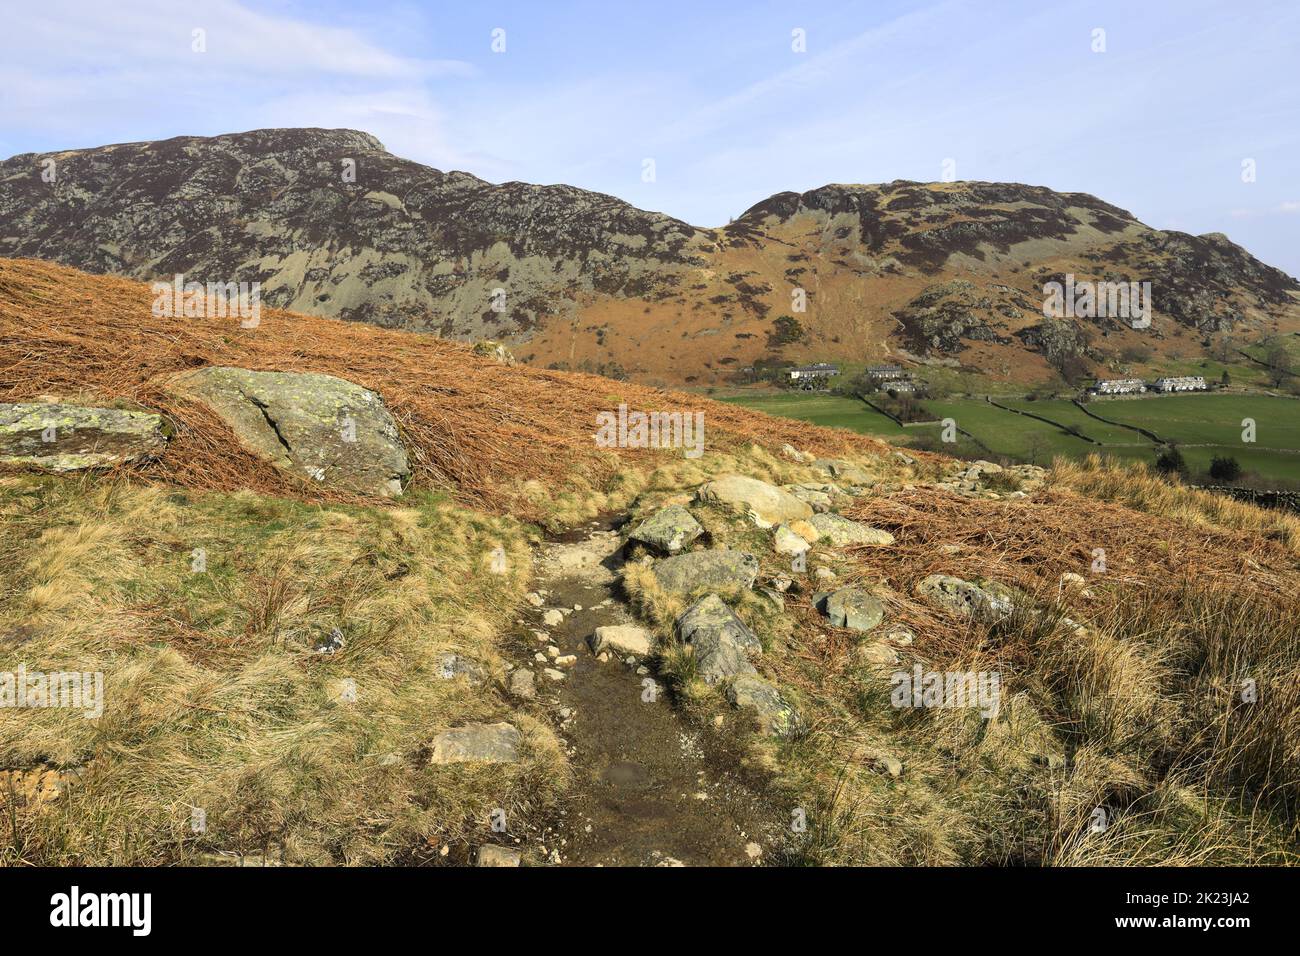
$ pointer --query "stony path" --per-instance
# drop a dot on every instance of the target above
(649, 789)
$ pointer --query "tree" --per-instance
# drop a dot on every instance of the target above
(1278, 360)
(1225, 379)
(1224, 468)
(1170, 462)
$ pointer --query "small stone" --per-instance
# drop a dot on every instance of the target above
(553, 618)
(753, 851)
(552, 651)
(885, 763)
(566, 660)
(553, 674)
(622, 639)
(492, 855)
(535, 599)
(824, 574)
(787, 542)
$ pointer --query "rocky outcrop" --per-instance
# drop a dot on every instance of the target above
(720, 640)
(668, 530)
(765, 504)
(720, 570)
(55, 436)
(315, 426)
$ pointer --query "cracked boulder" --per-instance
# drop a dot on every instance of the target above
(312, 425)
(61, 437)
(720, 640)
(854, 608)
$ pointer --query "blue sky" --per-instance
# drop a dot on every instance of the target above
(1159, 123)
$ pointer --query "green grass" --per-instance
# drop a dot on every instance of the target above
(832, 411)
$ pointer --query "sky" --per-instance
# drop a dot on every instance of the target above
(1185, 113)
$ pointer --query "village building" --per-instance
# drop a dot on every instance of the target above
(887, 373)
(1182, 383)
(1118, 386)
(813, 376)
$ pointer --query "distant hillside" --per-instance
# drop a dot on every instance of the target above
(332, 224)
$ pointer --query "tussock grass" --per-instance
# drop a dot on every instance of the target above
(213, 695)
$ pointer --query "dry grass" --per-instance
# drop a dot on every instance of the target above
(502, 438)
(214, 697)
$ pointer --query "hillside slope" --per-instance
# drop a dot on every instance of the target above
(951, 272)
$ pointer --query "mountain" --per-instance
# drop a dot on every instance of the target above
(331, 223)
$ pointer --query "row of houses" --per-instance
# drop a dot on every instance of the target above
(1137, 386)
(887, 377)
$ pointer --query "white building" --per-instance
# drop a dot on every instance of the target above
(811, 373)
(1181, 383)
(1119, 386)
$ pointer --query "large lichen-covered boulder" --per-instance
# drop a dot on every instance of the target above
(60, 437)
(766, 504)
(840, 531)
(855, 609)
(776, 715)
(719, 570)
(668, 530)
(317, 426)
(720, 640)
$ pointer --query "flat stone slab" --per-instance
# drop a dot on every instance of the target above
(707, 570)
(477, 743)
(56, 436)
(492, 855)
(316, 426)
(668, 530)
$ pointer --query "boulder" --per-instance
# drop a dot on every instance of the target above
(766, 504)
(476, 743)
(965, 597)
(840, 531)
(787, 542)
(707, 571)
(316, 426)
(668, 530)
(721, 641)
(61, 437)
(816, 499)
(776, 715)
(622, 639)
(855, 609)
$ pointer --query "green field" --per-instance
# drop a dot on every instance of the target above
(1203, 426)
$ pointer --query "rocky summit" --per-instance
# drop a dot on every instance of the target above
(329, 222)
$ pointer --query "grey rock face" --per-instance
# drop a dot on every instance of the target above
(707, 571)
(668, 530)
(477, 743)
(316, 426)
(776, 715)
(62, 437)
(855, 609)
(721, 640)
